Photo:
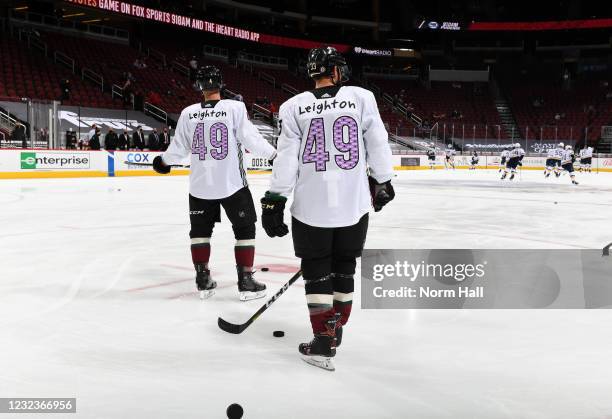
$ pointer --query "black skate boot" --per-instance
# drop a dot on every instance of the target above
(504, 175)
(205, 284)
(322, 348)
(248, 288)
(574, 182)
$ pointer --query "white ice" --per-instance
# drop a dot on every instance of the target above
(97, 302)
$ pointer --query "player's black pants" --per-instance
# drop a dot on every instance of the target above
(328, 250)
(239, 208)
(204, 213)
(513, 163)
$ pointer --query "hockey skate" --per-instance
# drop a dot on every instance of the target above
(574, 182)
(512, 176)
(248, 287)
(322, 348)
(205, 284)
(504, 175)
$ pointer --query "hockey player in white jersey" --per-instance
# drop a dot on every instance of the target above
(567, 162)
(330, 138)
(475, 160)
(552, 157)
(450, 153)
(504, 158)
(515, 159)
(431, 156)
(557, 155)
(213, 133)
(586, 158)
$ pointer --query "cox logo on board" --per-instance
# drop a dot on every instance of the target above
(138, 158)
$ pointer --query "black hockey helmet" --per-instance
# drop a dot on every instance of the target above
(321, 62)
(209, 78)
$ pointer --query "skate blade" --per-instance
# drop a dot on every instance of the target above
(322, 362)
(206, 294)
(251, 295)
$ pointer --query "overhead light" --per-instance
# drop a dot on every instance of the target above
(21, 8)
(91, 21)
(73, 15)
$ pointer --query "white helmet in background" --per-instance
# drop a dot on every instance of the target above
(449, 146)
(568, 147)
(561, 145)
(590, 148)
(517, 145)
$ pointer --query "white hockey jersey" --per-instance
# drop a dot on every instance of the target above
(505, 153)
(516, 152)
(552, 154)
(329, 138)
(588, 153)
(213, 133)
(450, 152)
(567, 157)
(557, 153)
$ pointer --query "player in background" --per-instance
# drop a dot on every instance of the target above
(334, 155)
(581, 162)
(474, 161)
(213, 133)
(567, 162)
(450, 157)
(504, 158)
(588, 159)
(431, 155)
(515, 159)
(551, 162)
(558, 156)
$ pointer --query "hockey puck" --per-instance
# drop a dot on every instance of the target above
(264, 269)
(555, 202)
(234, 411)
(278, 333)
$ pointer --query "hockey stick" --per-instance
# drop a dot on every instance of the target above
(239, 328)
(151, 164)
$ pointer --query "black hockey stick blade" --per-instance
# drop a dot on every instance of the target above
(236, 329)
(129, 163)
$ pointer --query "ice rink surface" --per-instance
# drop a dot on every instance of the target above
(97, 302)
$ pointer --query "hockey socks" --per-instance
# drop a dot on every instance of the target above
(344, 286)
(320, 299)
(200, 250)
(244, 251)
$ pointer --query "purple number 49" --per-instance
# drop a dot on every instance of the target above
(345, 138)
(218, 140)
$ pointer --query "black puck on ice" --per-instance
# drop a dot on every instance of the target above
(264, 269)
(278, 333)
(234, 411)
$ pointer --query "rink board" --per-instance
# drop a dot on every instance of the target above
(16, 164)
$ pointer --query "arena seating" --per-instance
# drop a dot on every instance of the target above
(436, 104)
(585, 105)
(26, 73)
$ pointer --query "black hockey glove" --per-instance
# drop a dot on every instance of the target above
(272, 209)
(160, 167)
(382, 193)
